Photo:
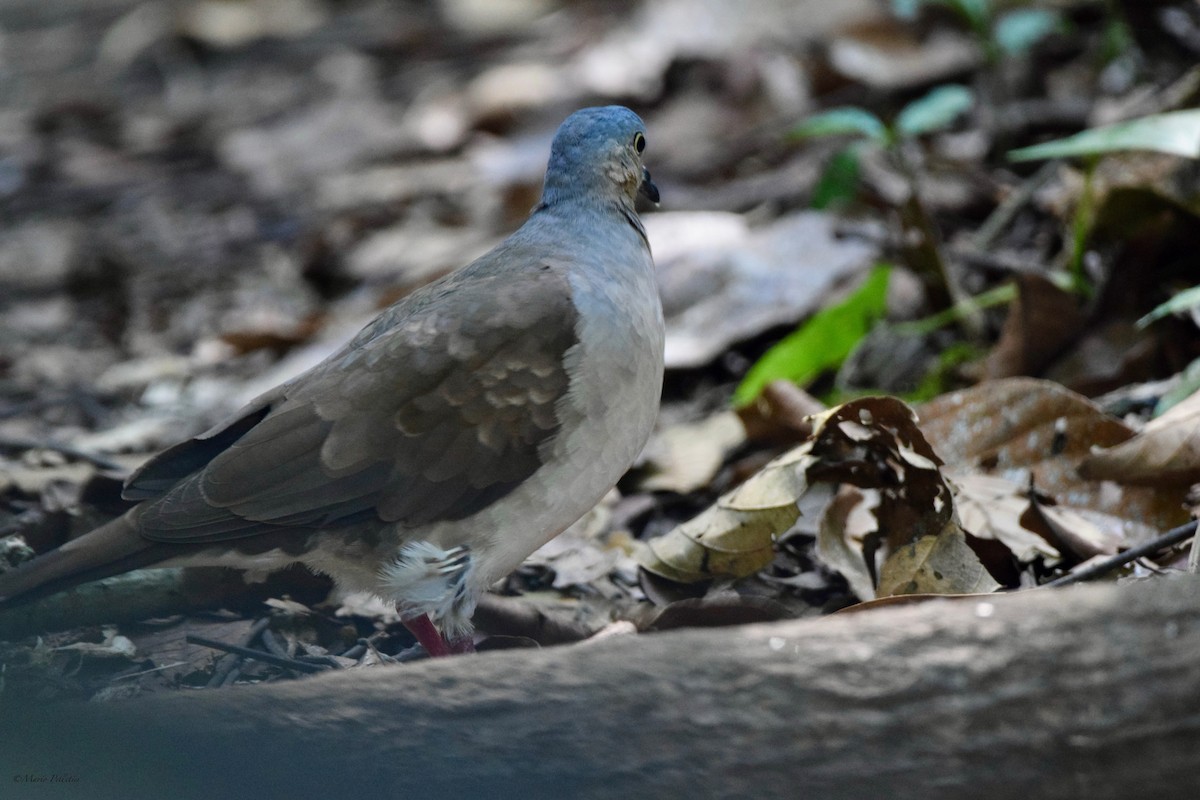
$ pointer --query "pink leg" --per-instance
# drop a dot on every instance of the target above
(429, 636)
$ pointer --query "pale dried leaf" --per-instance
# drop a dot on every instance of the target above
(690, 552)
(942, 564)
(755, 279)
(288, 608)
(113, 646)
(991, 508)
(734, 536)
(886, 57)
(1089, 533)
(687, 457)
(833, 543)
(777, 485)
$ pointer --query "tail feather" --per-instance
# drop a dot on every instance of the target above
(111, 549)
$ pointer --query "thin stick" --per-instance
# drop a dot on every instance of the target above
(1008, 208)
(148, 671)
(1168, 539)
(259, 655)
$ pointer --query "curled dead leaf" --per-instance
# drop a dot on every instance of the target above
(734, 536)
(1166, 452)
(872, 443)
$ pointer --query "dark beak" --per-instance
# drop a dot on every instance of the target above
(648, 189)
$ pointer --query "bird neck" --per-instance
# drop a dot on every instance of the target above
(585, 207)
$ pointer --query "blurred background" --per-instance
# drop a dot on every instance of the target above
(206, 184)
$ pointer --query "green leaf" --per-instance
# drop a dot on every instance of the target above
(1019, 30)
(1189, 384)
(841, 121)
(839, 182)
(1117, 41)
(1187, 300)
(943, 377)
(976, 12)
(1175, 132)
(823, 342)
(996, 296)
(934, 111)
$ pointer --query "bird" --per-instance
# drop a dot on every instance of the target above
(466, 425)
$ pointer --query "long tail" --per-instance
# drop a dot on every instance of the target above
(111, 549)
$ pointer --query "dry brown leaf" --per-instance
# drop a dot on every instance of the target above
(874, 443)
(1130, 190)
(1166, 452)
(1041, 320)
(1015, 423)
(781, 413)
(942, 564)
(1034, 431)
(883, 54)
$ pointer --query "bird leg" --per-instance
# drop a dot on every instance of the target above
(432, 640)
(429, 636)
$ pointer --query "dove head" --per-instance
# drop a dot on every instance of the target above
(597, 154)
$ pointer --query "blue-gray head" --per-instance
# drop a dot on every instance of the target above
(598, 152)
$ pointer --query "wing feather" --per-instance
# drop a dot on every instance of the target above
(432, 412)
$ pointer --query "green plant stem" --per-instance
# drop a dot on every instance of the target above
(999, 295)
(925, 257)
(1081, 226)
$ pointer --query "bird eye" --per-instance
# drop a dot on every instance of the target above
(639, 142)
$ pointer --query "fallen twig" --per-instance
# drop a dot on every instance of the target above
(1171, 537)
(258, 655)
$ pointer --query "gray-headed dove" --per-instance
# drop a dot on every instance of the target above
(468, 424)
